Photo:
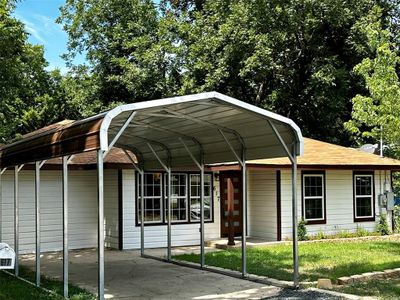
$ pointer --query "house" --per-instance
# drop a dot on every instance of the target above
(76, 184)
(338, 190)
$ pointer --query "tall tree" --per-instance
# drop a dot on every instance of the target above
(126, 45)
(377, 111)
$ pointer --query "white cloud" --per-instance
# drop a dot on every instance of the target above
(33, 29)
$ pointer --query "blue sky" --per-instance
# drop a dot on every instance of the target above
(39, 18)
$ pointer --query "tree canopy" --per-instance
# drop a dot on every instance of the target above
(305, 59)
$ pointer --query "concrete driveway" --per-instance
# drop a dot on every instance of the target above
(128, 276)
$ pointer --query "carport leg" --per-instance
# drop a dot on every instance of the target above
(202, 253)
(142, 213)
(294, 224)
(65, 222)
(100, 195)
(169, 214)
(244, 217)
(16, 221)
(37, 221)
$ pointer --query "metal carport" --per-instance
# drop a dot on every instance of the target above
(173, 133)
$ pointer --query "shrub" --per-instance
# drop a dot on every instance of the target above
(396, 218)
(345, 234)
(302, 230)
(361, 231)
(383, 227)
(321, 235)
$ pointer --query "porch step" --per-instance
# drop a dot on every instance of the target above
(251, 242)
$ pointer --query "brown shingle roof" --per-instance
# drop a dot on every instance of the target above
(317, 153)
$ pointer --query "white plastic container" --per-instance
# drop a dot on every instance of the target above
(7, 257)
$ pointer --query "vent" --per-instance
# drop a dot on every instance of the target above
(5, 262)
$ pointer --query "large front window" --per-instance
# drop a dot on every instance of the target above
(363, 196)
(185, 198)
(314, 197)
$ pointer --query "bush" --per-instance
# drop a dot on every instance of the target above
(302, 230)
(383, 227)
(396, 218)
(362, 232)
(321, 235)
(345, 234)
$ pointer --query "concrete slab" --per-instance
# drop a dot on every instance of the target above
(128, 276)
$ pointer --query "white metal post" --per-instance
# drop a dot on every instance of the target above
(169, 214)
(142, 213)
(294, 222)
(65, 222)
(100, 195)
(202, 253)
(16, 221)
(37, 221)
(244, 217)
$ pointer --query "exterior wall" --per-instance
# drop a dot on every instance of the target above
(156, 235)
(82, 209)
(262, 208)
(339, 202)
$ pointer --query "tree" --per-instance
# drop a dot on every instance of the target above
(127, 47)
(379, 107)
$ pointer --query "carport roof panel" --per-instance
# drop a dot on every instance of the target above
(163, 123)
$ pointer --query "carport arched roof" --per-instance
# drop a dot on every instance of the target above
(203, 122)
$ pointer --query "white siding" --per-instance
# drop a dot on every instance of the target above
(82, 209)
(156, 236)
(339, 203)
(262, 210)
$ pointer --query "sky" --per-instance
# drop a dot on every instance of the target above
(39, 18)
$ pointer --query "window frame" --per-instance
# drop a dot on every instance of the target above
(163, 199)
(370, 174)
(317, 173)
(199, 198)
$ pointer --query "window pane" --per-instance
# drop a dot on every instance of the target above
(152, 197)
(364, 206)
(179, 197)
(313, 208)
(195, 197)
(363, 185)
(313, 196)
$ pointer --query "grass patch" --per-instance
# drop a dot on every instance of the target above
(317, 260)
(382, 289)
(13, 288)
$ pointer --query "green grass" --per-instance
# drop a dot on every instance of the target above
(13, 288)
(382, 289)
(317, 260)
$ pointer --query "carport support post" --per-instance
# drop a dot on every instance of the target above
(295, 221)
(37, 221)
(169, 213)
(16, 221)
(100, 195)
(142, 213)
(65, 222)
(244, 208)
(202, 253)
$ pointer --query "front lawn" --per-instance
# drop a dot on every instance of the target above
(382, 289)
(16, 289)
(317, 260)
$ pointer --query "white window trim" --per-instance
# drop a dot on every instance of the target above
(176, 197)
(314, 197)
(364, 196)
(198, 198)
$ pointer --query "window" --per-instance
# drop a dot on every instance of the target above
(314, 197)
(364, 197)
(179, 197)
(185, 198)
(195, 197)
(152, 198)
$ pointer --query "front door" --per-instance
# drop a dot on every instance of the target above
(231, 203)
